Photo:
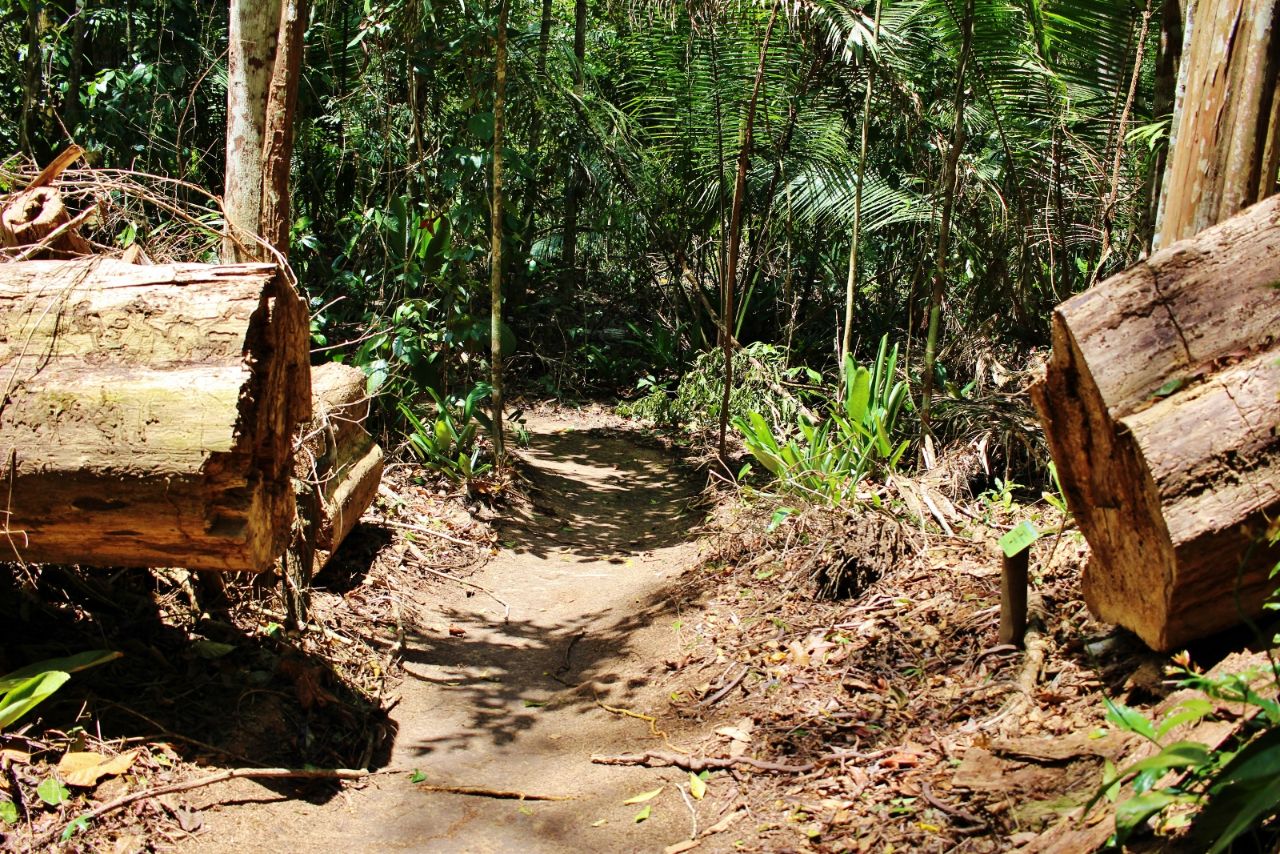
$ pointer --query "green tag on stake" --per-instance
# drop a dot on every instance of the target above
(1019, 539)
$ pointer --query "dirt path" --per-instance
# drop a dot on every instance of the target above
(519, 704)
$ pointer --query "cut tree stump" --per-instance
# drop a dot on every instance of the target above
(339, 461)
(148, 412)
(1160, 404)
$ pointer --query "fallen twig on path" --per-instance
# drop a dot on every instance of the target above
(421, 563)
(955, 812)
(481, 791)
(654, 758)
(186, 785)
(418, 529)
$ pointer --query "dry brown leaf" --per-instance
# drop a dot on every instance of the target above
(86, 768)
(678, 847)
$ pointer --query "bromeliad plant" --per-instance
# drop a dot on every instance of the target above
(827, 460)
(446, 440)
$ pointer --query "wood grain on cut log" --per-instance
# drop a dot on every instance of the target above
(1160, 404)
(339, 459)
(147, 413)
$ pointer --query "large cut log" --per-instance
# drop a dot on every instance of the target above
(1161, 404)
(339, 463)
(147, 413)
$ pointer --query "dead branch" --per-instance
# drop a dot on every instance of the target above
(481, 791)
(658, 759)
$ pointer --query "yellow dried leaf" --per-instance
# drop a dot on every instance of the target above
(697, 786)
(643, 796)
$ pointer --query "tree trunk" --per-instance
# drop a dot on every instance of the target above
(252, 40)
(31, 84)
(949, 179)
(851, 284)
(495, 271)
(274, 217)
(1225, 147)
(730, 271)
(1160, 404)
(573, 172)
(148, 412)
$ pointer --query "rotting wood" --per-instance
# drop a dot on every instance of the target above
(1079, 834)
(1159, 404)
(338, 458)
(148, 412)
(1013, 597)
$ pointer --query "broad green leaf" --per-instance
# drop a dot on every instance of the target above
(69, 664)
(8, 812)
(52, 792)
(1188, 711)
(644, 814)
(1132, 813)
(1245, 792)
(29, 694)
(1128, 719)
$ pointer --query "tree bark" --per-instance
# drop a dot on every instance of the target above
(275, 217)
(573, 174)
(1160, 404)
(148, 413)
(495, 271)
(851, 284)
(730, 272)
(1225, 148)
(949, 180)
(252, 40)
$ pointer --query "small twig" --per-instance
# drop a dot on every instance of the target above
(483, 792)
(421, 530)
(724, 692)
(200, 782)
(693, 812)
(954, 812)
(422, 565)
(654, 758)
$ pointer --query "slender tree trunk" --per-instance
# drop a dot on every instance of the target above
(1109, 205)
(949, 180)
(529, 199)
(735, 230)
(275, 217)
(71, 106)
(573, 172)
(31, 85)
(851, 284)
(495, 270)
(253, 38)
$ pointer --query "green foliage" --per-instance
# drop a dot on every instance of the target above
(1234, 788)
(446, 440)
(24, 689)
(826, 461)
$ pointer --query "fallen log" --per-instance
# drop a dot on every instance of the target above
(147, 413)
(1160, 405)
(338, 461)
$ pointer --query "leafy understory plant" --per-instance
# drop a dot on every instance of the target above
(1223, 792)
(826, 461)
(447, 439)
(24, 689)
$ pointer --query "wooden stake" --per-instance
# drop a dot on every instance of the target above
(1013, 598)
